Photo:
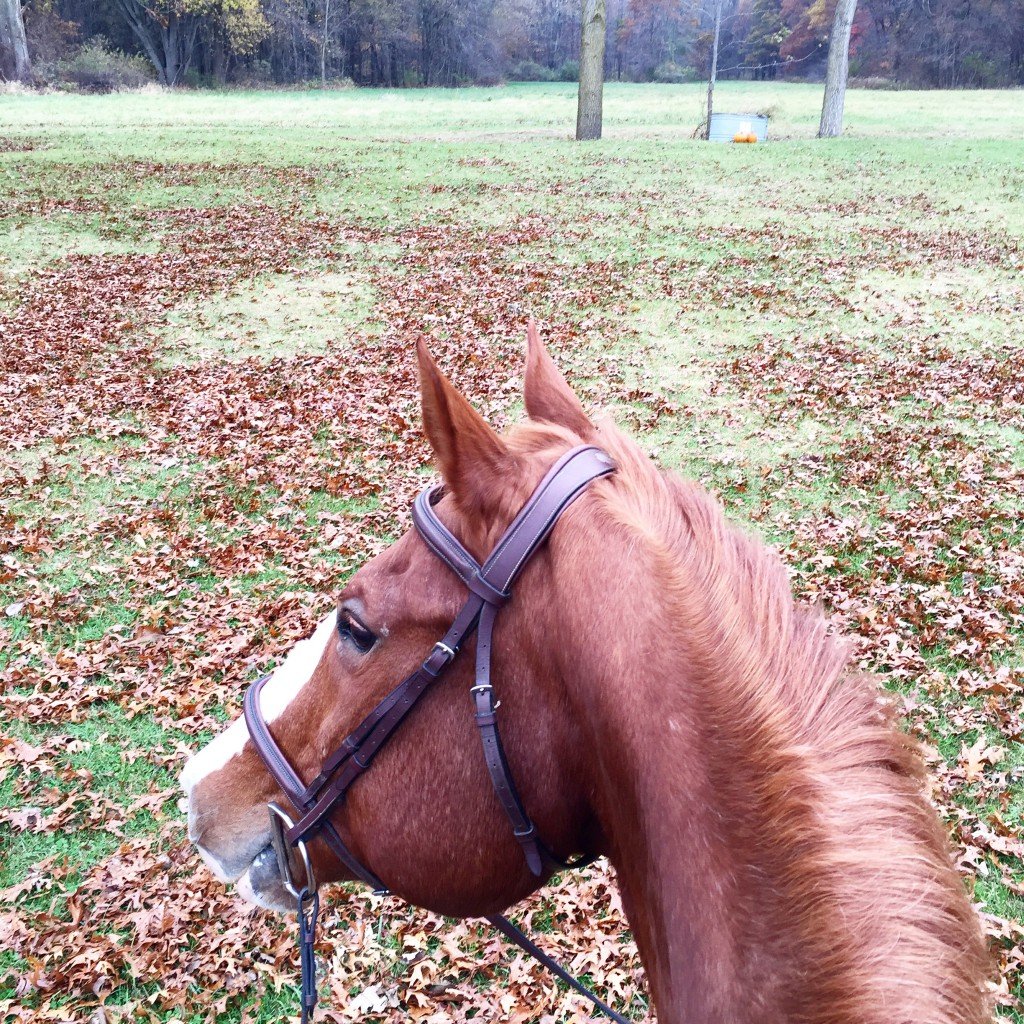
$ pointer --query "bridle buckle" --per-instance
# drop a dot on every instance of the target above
(440, 657)
(280, 820)
(442, 648)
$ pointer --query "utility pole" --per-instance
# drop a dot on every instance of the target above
(323, 44)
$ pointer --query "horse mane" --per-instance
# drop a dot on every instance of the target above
(825, 806)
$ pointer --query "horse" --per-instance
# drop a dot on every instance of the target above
(666, 704)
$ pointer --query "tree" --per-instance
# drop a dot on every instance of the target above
(654, 33)
(167, 33)
(766, 35)
(714, 66)
(14, 62)
(831, 125)
(323, 42)
(591, 89)
(167, 29)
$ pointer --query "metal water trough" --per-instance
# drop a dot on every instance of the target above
(725, 126)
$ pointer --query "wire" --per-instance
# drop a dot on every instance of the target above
(776, 64)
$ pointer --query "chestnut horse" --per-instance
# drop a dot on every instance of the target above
(664, 703)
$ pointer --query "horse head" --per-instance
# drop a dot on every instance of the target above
(664, 702)
(426, 819)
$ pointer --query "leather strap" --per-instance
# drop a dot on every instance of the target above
(486, 718)
(523, 941)
(444, 544)
(308, 907)
(277, 764)
(489, 586)
(359, 748)
(561, 486)
(290, 783)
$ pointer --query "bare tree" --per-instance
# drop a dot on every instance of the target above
(714, 65)
(14, 62)
(167, 32)
(831, 125)
(591, 90)
(323, 42)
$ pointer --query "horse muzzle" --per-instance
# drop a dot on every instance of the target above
(246, 857)
(262, 884)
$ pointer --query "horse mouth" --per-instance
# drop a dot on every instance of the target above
(261, 883)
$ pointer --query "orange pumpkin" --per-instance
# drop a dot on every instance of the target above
(751, 137)
(739, 137)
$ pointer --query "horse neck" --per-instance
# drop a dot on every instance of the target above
(776, 858)
(655, 800)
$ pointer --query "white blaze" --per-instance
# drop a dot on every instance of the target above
(278, 692)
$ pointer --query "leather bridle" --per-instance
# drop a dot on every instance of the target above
(489, 588)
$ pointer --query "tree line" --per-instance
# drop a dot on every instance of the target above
(405, 43)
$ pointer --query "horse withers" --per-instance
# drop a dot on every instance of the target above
(664, 702)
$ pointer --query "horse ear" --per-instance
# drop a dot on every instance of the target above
(472, 458)
(547, 394)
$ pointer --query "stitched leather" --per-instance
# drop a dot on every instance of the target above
(290, 783)
(489, 589)
(489, 586)
(562, 485)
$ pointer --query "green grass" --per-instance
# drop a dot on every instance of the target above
(109, 755)
(280, 316)
(712, 255)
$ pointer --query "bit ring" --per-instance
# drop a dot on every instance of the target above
(280, 820)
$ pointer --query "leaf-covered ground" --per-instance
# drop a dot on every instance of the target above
(208, 413)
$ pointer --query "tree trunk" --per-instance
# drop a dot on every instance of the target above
(219, 58)
(14, 62)
(323, 44)
(172, 67)
(168, 43)
(714, 67)
(145, 32)
(592, 38)
(831, 125)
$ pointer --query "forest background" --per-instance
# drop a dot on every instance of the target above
(98, 45)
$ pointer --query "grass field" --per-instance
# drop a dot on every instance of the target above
(208, 416)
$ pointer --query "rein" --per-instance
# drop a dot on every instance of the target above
(489, 587)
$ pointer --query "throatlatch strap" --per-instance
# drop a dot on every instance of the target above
(486, 718)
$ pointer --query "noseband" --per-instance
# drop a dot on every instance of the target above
(489, 588)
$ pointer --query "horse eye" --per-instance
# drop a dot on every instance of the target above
(351, 629)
